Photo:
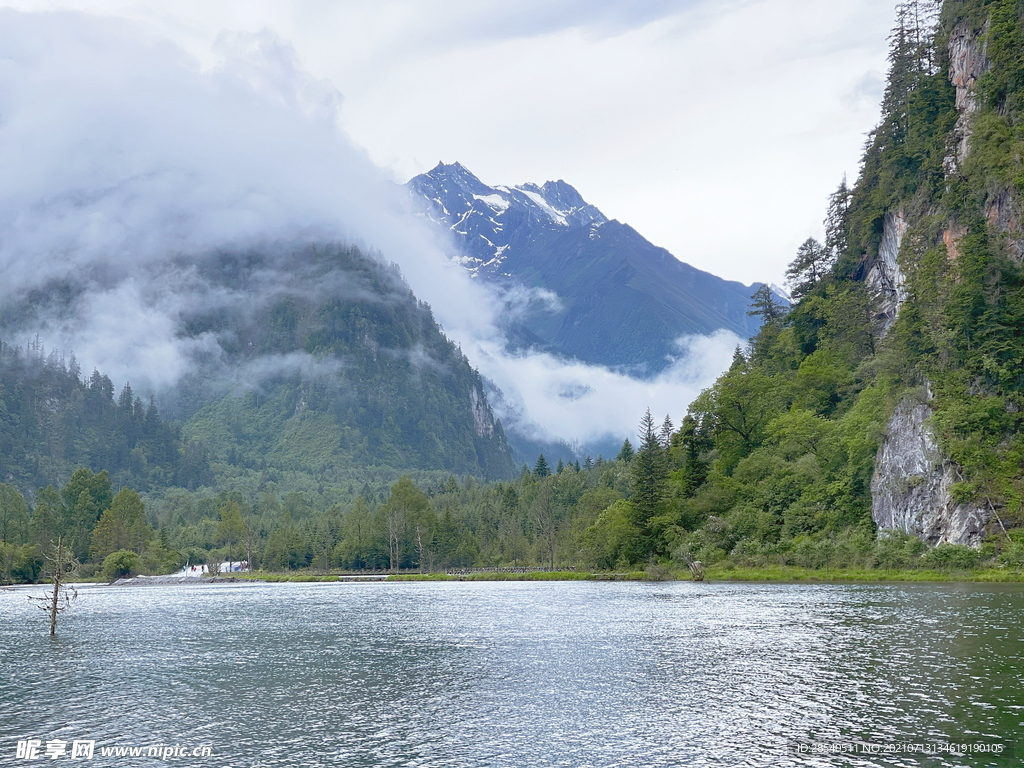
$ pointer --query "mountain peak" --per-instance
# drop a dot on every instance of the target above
(447, 175)
(484, 218)
(595, 289)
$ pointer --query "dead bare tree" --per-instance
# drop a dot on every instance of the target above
(60, 563)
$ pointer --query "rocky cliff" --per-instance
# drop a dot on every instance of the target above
(914, 488)
(918, 486)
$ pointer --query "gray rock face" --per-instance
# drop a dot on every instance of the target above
(967, 62)
(910, 489)
(885, 278)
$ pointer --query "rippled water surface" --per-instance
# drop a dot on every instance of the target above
(516, 674)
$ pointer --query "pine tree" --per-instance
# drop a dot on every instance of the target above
(912, 56)
(126, 400)
(649, 473)
(694, 444)
(811, 264)
(625, 452)
(765, 306)
(665, 436)
(837, 222)
(541, 469)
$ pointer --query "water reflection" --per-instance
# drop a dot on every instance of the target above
(517, 674)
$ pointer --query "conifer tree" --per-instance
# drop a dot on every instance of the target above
(665, 436)
(649, 473)
(811, 264)
(625, 452)
(694, 444)
(541, 469)
(837, 222)
(765, 305)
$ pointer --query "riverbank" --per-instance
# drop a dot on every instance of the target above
(795, 574)
(781, 574)
(713, 574)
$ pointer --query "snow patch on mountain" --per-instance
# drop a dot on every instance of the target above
(484, 218)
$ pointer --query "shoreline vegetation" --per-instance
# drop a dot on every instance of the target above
(766, 574)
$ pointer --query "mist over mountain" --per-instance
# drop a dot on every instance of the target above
(302, 358)
(156, 210)
(575, 282)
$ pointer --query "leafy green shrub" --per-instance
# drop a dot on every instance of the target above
(962, 493)
(120, 564)
(88, 570)
(19, 564)
(951, 557)
(895, 550)
(1013, 556)
(28, 564)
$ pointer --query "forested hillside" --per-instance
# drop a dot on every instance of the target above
(890, 396)
(338, 365)
(53, 420)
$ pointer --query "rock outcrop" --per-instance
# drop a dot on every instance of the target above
(967, 62)
(885, 279)
(912, 486)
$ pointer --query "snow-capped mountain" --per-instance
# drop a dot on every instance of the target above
(488, 221)
(596, 289)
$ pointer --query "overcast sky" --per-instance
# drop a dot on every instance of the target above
(717, 128)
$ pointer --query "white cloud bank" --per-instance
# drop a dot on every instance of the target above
(123, 156)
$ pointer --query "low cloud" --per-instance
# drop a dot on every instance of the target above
(584, 404)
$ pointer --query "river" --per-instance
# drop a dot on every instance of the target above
(517, 674)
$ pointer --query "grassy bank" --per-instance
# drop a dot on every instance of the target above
(308, 576)
(498, 576)
(714, 574)
(793, 573)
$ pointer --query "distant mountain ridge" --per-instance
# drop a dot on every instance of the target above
(315, 358)
(621, 301)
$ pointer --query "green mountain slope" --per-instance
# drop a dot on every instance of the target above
(341, 367)
(315, 360)
(51, 422)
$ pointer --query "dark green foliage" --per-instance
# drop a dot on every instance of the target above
(649, 469)
(20, 564)
(85, 497)
(51, 422)
(625, 453)
(765, 305)
(951, 557)
(14, 517)
(809, 268)
(121, 526)
(122, 563)
(540, 469)
(774, 462)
